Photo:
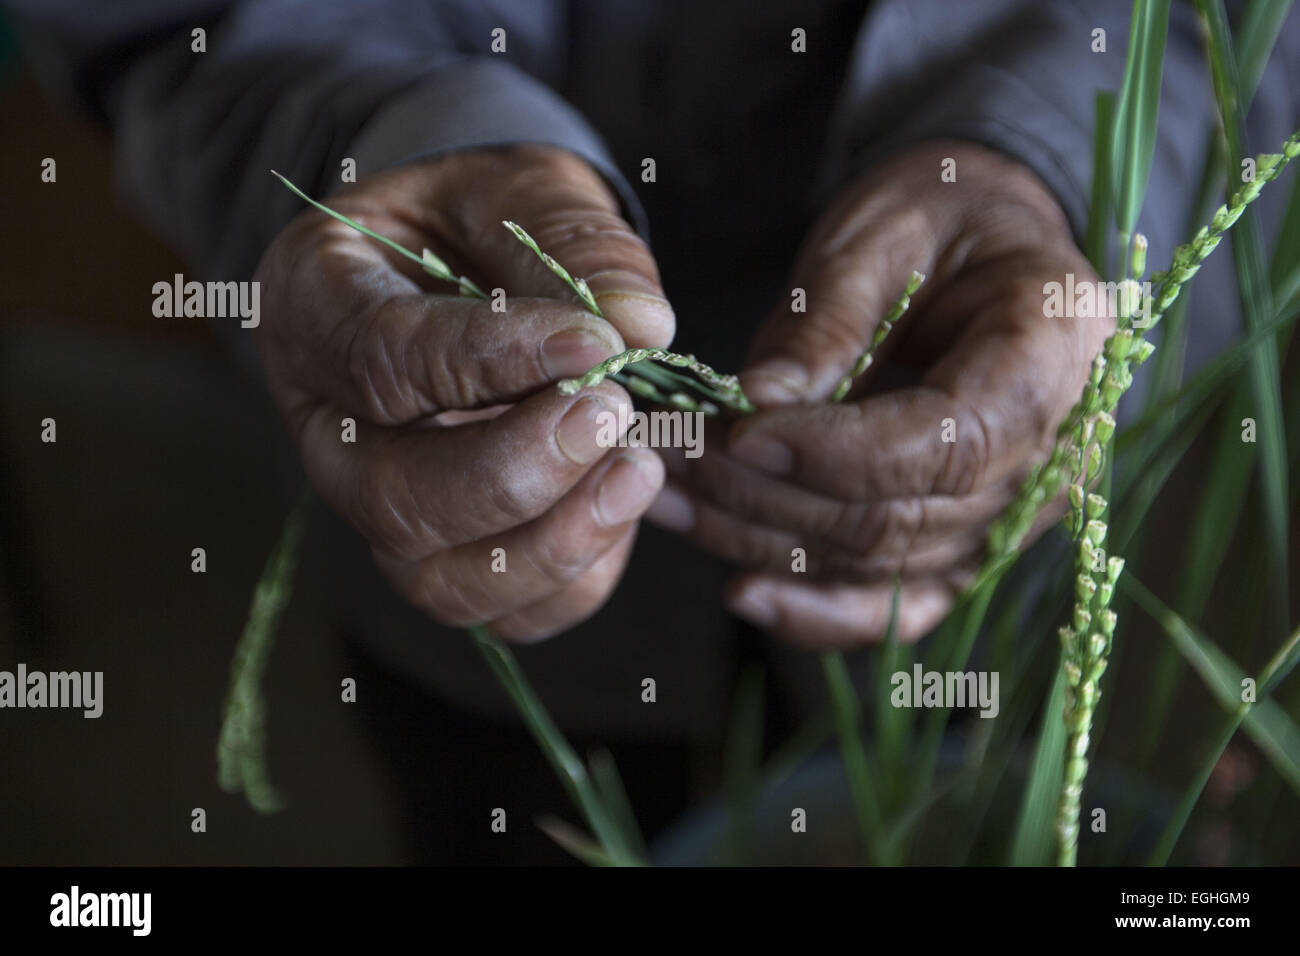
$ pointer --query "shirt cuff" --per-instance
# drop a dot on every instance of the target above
(483, 103)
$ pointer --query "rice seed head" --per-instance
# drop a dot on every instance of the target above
(892, 315)
(578, 285)
(1138, 264)
(436, 267)
(1095, 530)
(726, 387)
(1076, 497)
(1105, 428)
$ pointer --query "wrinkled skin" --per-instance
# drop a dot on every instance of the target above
(869, 488)
(461, 448)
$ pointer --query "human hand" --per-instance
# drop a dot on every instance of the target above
(903, 478)
(460, 447)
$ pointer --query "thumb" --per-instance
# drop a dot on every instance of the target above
(574, 216)
(841, 289)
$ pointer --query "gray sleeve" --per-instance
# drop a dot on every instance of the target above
(1020, 76)
(296, 87)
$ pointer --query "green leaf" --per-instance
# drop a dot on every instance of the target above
(241, 745)
(848, 719)
(1255, 41)
(1217, 510)
(1203, 385)
(1035, 836)
(1284, 272)
(1137, 110)
(571, 771)
(1256, 297)
(578, 844)
(1102, 202)
(428, 262)
(609, 785)
(1265, 722)
(967, 619)
(890, 721)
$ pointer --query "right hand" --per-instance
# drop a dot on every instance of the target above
(462, 447)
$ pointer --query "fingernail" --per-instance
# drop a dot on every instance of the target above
(775, 382)
(579, 431)
(633, 304)
(766, 454)
(756, 604)
(628, 488)
(573, 352)
(672, 511)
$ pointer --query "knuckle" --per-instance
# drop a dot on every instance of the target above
(587, 239)
(451, 372)
(967, 460)
(516, 493)
(886, 528)
(377, 367)
(836, 332)
(559, 559)
(449, 593)
(387, 508)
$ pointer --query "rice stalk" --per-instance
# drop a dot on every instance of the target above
(241, 746)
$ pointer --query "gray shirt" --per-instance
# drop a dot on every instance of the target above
(749, 138)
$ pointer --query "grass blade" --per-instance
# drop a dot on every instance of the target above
(1102, 203)
(576, 843)
(1035, 838)
(890, 721)
(428, 262)
(572, 773)
(1266, 722)
(609, 785)
(1203, 384)
(1255, 41)
(1284, 271)
(1137, 110)
(241, 746)
(1256, 305)
(973, 611)
(848, 720)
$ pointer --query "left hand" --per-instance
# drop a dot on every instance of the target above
(901, 480)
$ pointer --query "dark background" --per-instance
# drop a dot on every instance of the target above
(162, 447)
(152, 419)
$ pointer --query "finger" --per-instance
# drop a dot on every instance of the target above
(754, 546)
(573, 215)
(904, 443)
(412, 492)
(345, 326)
(579, 601)
(981, 413)
(822, 616)
(850, 274)
(476, 582)
(855, 262)
(872, 527)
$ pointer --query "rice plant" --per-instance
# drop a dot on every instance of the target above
(1052, 719)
